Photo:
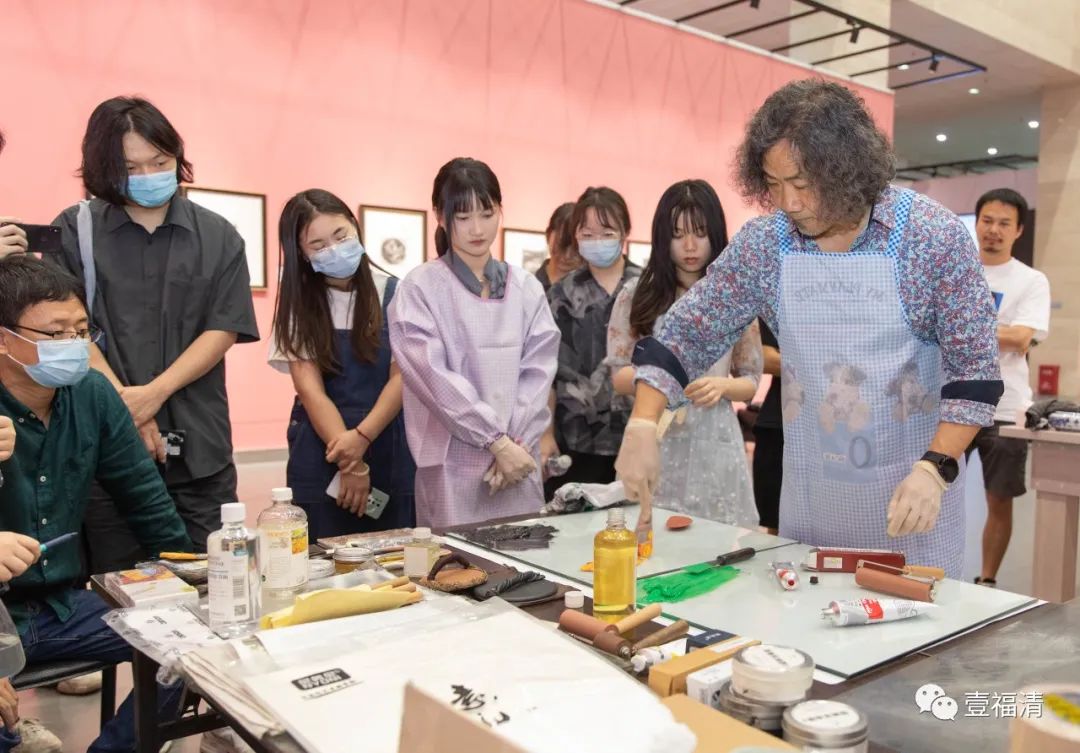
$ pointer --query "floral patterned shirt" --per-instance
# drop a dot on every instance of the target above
(942, 291)
(747, 360)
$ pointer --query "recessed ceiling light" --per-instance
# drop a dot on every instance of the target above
(973, 90)
(992, 151)
(941, 137)
(903, 67)
(1033, 124)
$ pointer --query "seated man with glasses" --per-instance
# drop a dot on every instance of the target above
(71, 428)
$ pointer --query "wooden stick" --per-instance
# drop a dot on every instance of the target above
(663, 635)
(628, 623)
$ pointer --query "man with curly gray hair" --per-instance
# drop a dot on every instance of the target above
(867, 286)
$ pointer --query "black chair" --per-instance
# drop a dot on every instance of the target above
(51, 672)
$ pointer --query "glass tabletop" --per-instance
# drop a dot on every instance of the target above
(572, 546)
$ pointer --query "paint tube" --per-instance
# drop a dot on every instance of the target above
(867, 611)
(648, 657)
(786, 575)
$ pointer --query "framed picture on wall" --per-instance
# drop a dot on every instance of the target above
(247, 213)
(639, 252)
(395, 239)
(525, 248)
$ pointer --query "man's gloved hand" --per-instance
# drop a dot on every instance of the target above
(638, 464)
(915, 504)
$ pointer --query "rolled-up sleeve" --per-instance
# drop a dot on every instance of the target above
(706, 322)
(965, 326)
(232, 308)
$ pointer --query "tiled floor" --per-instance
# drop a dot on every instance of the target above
(75, 719)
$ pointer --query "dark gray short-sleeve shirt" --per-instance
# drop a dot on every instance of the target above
(156, 293)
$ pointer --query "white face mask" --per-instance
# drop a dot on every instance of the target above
(601, 252)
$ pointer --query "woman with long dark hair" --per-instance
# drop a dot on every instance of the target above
(330, 335)
(478, 348)
(703, 462)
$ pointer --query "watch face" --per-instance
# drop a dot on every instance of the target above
(949, 469)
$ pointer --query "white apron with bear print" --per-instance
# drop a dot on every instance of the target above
(860, 396)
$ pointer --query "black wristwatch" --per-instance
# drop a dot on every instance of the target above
(946, 466)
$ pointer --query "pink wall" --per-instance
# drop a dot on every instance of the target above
(367, 98)
(961, 192)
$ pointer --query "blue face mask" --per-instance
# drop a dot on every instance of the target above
(339, 260)
(61, 363)
(152, 190)
(601, 252)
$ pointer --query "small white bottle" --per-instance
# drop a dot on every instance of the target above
(283, 550)
(233, 578)
(420, 553)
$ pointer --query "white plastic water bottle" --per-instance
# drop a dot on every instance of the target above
(283, 550)
(232, 576)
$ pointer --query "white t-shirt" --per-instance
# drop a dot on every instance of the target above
(1022, 297)
(341, 315)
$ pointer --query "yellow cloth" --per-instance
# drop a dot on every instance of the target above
(331, 603)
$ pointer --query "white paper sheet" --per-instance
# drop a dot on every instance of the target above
(530, 683)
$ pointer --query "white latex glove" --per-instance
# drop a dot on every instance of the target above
(494, 479)
(915, 504)
(511, 460)
(638, 464)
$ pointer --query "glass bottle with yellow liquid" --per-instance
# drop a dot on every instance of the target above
(614, 569)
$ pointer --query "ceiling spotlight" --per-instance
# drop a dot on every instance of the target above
(755, 3)
(903, 67)
(992, 151)
(855, 34)
(1033, 124)
(973, 90)
(941, 137)
(934, 63)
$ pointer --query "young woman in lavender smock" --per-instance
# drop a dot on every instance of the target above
(477, 348)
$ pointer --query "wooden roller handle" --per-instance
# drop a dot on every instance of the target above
(401, 580)
(663, 635)
(924, 571)
(640, 617)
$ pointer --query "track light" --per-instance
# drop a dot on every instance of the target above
(934, 63)
(855, 34)
(755, 3)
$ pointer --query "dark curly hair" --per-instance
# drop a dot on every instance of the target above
(846, 158)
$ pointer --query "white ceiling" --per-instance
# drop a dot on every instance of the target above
(1009, 91)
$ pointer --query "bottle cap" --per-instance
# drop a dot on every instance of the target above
(421, 533)
(233, 512)
(281, 494)
(574, 599)
(616, 516)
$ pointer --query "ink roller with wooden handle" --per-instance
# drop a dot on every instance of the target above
(663, 635)
(600, 634)
(894, 581)
(640, 617)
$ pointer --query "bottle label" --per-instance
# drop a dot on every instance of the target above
(284, 555)
(227, 580)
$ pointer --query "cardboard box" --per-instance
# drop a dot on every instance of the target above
(704, 685)
(669, 677)
(717, 732)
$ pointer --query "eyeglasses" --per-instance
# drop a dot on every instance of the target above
(90, 334)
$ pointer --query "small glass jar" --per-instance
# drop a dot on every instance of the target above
(349, 558)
